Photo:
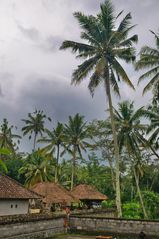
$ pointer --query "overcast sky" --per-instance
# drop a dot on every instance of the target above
(35, 74)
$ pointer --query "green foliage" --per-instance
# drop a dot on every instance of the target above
(4, 152)
(149, 59)
(132, 210)
(93, 172)
(108, 204)
(13, 165)
(37, 168)
(7, 137)
(152, 204)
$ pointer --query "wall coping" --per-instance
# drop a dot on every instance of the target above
(110, 219)
(12, 219)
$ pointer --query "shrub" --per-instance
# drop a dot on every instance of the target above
(132, 210)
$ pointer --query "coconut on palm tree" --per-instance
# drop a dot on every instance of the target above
(149, 59)
(34, 125)
(75, 135)
(103, 46)
(54, 139)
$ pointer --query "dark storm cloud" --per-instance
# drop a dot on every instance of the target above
(58, 99)
(31, 33)
(46, 23)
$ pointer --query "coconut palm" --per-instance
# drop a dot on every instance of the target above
(75, 135)
(54, 140)
(153, 129)
(7, 137)
(103, 46)
(37, 168)
(149, 59)
(34, 125)
(130, 137)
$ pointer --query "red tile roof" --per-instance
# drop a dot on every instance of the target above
(11, 189)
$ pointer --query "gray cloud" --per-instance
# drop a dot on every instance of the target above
(31, 33)
(51, 44)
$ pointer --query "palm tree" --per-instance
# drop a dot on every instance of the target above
(75, 134)
(7, 137)
(37, 168)
(130, 137)
(54, 140)
(149, 59)
(153, 129)
(34, 125)
(105, 46)
(3, 152)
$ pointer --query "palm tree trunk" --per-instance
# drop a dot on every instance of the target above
(116, 148)
(112, 173)
(57, 164)
(34, 144)
(139, 192)
(73, 167)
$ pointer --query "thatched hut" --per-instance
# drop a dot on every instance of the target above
(88, 194)
(54, 195)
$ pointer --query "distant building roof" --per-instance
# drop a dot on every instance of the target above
(11, 189)
(53, 193)
(87, 192)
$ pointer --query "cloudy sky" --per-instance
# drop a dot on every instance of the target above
(35, 74)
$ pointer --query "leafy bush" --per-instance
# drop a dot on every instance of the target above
(108, 204)
(132, 210)
(151, 201)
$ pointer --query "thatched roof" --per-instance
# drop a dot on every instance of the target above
(11, 189)
(53, 193)
(87, 192)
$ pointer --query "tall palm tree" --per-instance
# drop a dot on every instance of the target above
(37, 168)
(104, 46)
(75, 134)
(130, 137)
(34, 125)
(54, 140)
(149, 59)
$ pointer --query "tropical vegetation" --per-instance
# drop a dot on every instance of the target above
(119, 155)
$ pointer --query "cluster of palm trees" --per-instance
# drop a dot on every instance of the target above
(105, 45)
(67, 138)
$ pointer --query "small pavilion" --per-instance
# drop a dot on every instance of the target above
(88, 194)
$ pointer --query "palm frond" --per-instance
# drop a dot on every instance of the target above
(83, 70)
(118, 68)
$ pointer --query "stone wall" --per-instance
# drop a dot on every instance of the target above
(113, 225)
(31, 227)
